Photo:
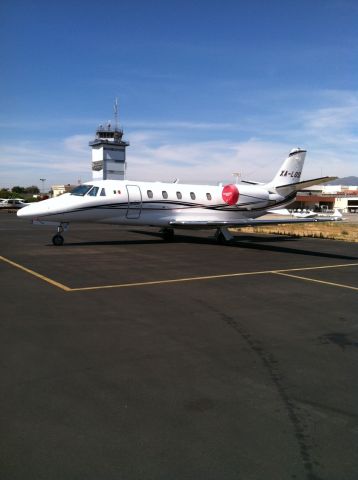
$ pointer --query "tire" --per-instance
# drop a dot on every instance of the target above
(168, 234)
(57, 240)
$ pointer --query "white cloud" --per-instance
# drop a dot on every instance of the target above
(77, 144)
(26, 162)
(334, 118)
(205, 162)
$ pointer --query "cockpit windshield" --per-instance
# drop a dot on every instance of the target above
(81, 190)
(93, 192)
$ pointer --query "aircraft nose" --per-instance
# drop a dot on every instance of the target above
(31, 211)
(24, 212)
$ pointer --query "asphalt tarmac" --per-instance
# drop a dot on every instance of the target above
(124, 357)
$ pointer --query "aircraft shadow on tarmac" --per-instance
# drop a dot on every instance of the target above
(265, 243)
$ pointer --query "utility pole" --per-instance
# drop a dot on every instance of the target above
(43, 180)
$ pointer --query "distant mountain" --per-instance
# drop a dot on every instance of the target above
(344, 181)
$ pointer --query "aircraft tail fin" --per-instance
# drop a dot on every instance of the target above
(290, 171)
(287, 179)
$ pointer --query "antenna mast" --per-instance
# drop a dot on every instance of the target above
(115, 108)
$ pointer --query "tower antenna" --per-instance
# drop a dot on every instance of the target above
(115, 109)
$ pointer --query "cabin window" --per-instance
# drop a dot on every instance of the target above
(93, 192)
(81, 190)
(208, 196)
(150, 194)
(192, 195)
(165, 194)
(179, 196)
(103, 192)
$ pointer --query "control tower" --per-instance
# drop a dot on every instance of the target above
(109, 151)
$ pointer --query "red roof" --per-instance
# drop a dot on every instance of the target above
(315, 198)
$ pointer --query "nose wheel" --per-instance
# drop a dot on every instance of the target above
(58, 239)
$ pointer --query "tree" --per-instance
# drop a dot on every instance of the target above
(33, 189)
(4, 193)
(18, 189)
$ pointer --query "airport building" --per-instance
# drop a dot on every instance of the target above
(60, 189)
(327, 197)
(109, 151)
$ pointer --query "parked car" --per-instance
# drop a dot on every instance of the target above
(13, 203)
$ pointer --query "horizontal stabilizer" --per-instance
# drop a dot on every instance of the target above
(295, 187)
(252, 183)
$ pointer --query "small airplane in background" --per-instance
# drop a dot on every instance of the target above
(336, 214)
(172, 206)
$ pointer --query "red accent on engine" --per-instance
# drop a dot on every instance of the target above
(230, 194)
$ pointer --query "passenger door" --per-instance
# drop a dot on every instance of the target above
(134, 202)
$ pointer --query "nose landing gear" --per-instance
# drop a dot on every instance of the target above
(58, 239)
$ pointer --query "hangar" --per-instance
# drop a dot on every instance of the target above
(327, 197)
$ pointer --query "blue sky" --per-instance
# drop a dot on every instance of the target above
(206, 88)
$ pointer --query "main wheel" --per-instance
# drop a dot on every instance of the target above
(167, 234)
(57, 240)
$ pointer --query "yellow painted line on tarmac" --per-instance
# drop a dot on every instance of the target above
(307, 279)
(35, 274)
(186, 279)
(315, 268)
(210, 277)
(174, 280)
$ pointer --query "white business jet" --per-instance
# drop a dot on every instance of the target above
(172, 205)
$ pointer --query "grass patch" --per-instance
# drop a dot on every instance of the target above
(329, 230)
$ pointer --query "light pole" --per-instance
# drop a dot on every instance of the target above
(43, 180)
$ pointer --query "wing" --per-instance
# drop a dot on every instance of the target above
(248, 222)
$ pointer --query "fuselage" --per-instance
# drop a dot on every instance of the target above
(154, 203)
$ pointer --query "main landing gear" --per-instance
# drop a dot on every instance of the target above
(167, 234)
(58, 239)
(223, 236)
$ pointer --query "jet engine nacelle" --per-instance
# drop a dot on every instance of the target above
(230, 194)
(254, 197)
